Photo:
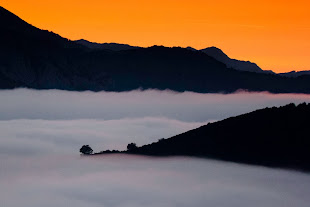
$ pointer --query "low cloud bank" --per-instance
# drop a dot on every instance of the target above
(34, 122)
(38, 137)
(187, 106)
(131, 181)
(42, 131)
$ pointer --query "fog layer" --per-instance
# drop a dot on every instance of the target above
(187, 106)
(54, 121)
(41, 133)
(130, 181)
(36, 137)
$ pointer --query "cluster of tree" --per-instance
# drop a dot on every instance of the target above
(87, 150)
(131, 146)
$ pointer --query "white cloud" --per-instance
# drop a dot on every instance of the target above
(35, 137)
(119, 181)
(188, 106)
(42, 131)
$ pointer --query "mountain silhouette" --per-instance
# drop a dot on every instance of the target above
(219, 55)
(277, 137)
(214, 52)
(105, 46)
(295, 73)
(34, 58)
(40, 59)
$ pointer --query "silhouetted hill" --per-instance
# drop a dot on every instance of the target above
(34, 58)
(181, 70)
(276, 137)
(105, 46)
(295, 74)
(219, 55)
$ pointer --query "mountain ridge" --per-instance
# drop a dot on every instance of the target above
(212, 51)
(219, 55)
(105, 46)
(40, 59)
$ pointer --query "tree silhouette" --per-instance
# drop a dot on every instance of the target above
(131, 146)
(86, 150)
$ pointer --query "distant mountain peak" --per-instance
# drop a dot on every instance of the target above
(214, 48)
(216, 53)
(191, 48)
(219, 55)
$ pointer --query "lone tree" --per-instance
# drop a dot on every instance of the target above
(131, 146)
(86, 150)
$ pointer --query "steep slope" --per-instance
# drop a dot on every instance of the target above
(30, 57)
(271, 136)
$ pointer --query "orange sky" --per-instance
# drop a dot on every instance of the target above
(272, 33)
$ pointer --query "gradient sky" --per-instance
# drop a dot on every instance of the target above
(274, 34)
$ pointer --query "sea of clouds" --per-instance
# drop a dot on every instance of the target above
(134, 181)
(187, 106)
(54, 121)
(41, 133)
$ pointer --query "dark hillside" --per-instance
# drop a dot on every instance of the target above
(272, 136)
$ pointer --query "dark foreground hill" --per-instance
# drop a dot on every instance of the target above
(277, 137)
(39, 59)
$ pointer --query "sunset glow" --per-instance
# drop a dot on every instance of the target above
(274, 34)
